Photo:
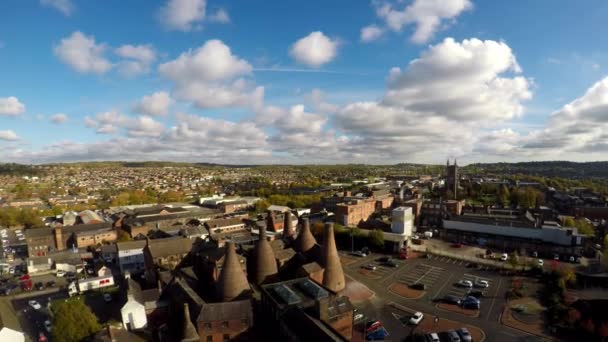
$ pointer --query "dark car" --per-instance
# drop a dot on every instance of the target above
(51, 283)
(391, 263)
(452, 336)
(39, 286)
(451, 299)
(383, 259)
(476, 293)
(470, 304)
(418, 286)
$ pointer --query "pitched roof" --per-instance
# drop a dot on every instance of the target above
(126, 245)
(172, 246)
(240, 309)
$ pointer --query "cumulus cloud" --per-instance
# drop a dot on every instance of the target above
(64, 6)
(8, 135)
(183, 15)
(439, 101)
(220, 16)
(111, 121)
(370, 33)
(155, 104)
(316, 99)
(314, 50)
(11, 106)
(83, 54)
(137, 59)
(59, 118)
(426, 15)
(211, 77)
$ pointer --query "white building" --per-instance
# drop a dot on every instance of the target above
(402, 221)
(133, 314)
(7, 334)
(131, 255)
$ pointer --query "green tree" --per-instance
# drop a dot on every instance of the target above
(376, 238)
(584, 227)
(73, 321)
(569, 222)
(504, 195)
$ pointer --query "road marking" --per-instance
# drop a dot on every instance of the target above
(442, 286)
(506, 333)
(494, 299)
(417, 281)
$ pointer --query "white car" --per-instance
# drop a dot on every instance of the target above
(359, 317)
(504, 257)
(48, 326)
(416, 318)
(540, 262)
(465, 283)
(482, 283)
(34, 304)
(370, 267)
(60, 273)
(434, 337)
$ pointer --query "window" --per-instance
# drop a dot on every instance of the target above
(225, 324)
(226, 337)
(209, 338)
(207, 325)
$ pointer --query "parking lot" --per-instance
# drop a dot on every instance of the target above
(422, 274)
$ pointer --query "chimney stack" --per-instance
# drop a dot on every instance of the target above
(270, 221)
(288, 231)
(232, 282)
(189, 333)
(265, 262)
(59, 238)
(305, 241)
(333, 275)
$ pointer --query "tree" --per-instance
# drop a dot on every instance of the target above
(569, 222)
(504, 195)
(584, 227)
(376, 238)
(73, 320)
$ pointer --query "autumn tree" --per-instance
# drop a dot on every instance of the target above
(73, 321)
(376, 238)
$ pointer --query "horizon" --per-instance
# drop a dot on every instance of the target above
(264, 83)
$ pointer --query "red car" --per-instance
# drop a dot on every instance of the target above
(457, 245)
(372, 326)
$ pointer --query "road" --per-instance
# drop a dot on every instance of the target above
(449, 271)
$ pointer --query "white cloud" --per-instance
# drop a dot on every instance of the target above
(427, 15)
(291, 121)
(370, 33)
(8, 135)
(64, 6)
(11, 106)
(183, 15)
(438, 102)
(138, 59)
(59, 118)
(220, 16)
(210, 77)
(111, 121)
(314, 50)
(316, 98)
(156, 104)
(82, 54)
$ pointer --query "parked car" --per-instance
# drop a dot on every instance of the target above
(60, 273)
(556, 257)
(540, 262)
(370, 267)
(39, 286)
(471, 303)
(391, 263)
(504, 257)
(358, 317)
(482, 283)
(34, 304)
(432, 337)
(453, 336)
(418, 286)
(416, 318)
(457, 245)
(465, 283)
(47, 326)
(451, 299)
(464, 334)
(476, 293)
(383, 259)
(358, 253)
(51, 283)
(372, 325)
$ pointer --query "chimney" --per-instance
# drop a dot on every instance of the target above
(333, 276)
(189, 333)
(288, 231)
(232, 282)
(265, 262)
(59, 239)
(305, 241)
(270, 221)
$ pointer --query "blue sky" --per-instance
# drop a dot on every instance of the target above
(303, 81)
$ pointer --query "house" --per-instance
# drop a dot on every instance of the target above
(224, 321)
(227, 225)
(40, 241)
(140, 305)
(229, 207)
(165, 254)
(109, 253)
(131, 255)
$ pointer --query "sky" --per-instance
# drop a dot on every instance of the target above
(303, 82)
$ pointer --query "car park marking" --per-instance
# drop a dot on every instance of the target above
(494, 298)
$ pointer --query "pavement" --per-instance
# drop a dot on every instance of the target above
(440, 275)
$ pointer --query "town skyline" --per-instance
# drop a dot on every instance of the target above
(211, 81)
